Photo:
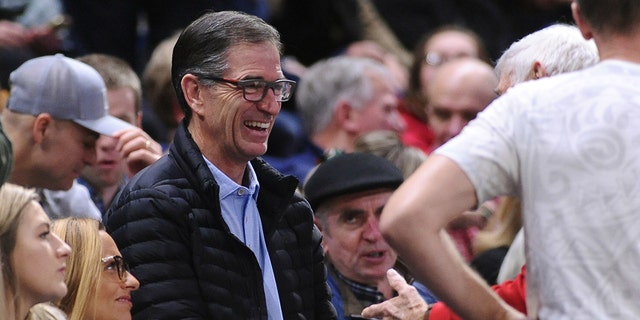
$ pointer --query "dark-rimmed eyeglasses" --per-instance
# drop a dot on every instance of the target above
(116, 263)
(254, 90)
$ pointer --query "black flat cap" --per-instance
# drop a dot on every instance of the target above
(350, 173)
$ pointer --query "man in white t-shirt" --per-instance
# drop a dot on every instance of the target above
(567, 145)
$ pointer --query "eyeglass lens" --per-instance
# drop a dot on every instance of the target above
(120, 265)
(256, 90)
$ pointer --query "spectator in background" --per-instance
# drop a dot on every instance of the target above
(33, 258)
(347, 193)
(490, 245)
(541, 141)
(158, 90)
(458, 91)
(558, 48)
(387, 144)
(211, 230)
(340, 99)
(409, 305)
(434, 49)
(28, 29)
(55, 112)
(498, 23)
(99, 281)
(120, 157)
(553, 50)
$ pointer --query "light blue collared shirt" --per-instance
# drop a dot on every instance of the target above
(240, 211)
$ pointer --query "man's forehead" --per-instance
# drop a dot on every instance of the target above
(359, 197)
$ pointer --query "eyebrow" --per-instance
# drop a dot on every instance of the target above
(45, 224)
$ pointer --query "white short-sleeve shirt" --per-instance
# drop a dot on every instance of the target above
(569, 146)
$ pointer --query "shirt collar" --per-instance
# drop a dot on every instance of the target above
(228, 186)
(367, 295)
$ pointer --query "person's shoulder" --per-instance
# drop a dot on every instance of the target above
(75, 202)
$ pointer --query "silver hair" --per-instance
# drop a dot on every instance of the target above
(560, 48)
(328, 82)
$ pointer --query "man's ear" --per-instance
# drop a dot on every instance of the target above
(41, 126)
(345, 116)
(192, 90)
(584, 27)
(538, 70)
(317, 222)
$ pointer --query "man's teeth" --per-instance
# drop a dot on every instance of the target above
(375, 254)
(261, 125)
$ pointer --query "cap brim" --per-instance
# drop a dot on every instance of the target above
(107, 125)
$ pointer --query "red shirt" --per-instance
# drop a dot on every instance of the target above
(417, 133)
(513, 292)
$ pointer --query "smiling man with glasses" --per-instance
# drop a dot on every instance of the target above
(211, 230)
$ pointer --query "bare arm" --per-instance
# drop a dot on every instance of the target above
(413, 222)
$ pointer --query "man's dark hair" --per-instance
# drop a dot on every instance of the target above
(611, 16)
(204, 46)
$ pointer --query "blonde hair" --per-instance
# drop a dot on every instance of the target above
(502, 228)
(156, 81)
(389, 145)
(13, 200)
(83, 264)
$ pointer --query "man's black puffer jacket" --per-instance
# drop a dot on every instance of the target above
(168, 226)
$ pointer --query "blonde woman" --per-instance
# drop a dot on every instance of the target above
(33, 258)
(99, 281)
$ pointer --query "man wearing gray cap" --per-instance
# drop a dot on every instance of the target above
(56, 109)
(347, 194)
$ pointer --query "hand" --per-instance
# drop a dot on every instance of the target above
(408, 305)
(44, 40)
(13, 34)
(469, 219)
(137, 148)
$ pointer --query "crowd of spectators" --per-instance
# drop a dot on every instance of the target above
(321, 159)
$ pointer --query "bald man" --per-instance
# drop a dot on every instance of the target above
(459, 90)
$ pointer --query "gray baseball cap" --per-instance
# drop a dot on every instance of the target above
(65, 88)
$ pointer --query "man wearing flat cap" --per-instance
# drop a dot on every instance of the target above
(347, 193)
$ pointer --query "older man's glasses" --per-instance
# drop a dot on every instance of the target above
(116, 264)
(255, 90)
